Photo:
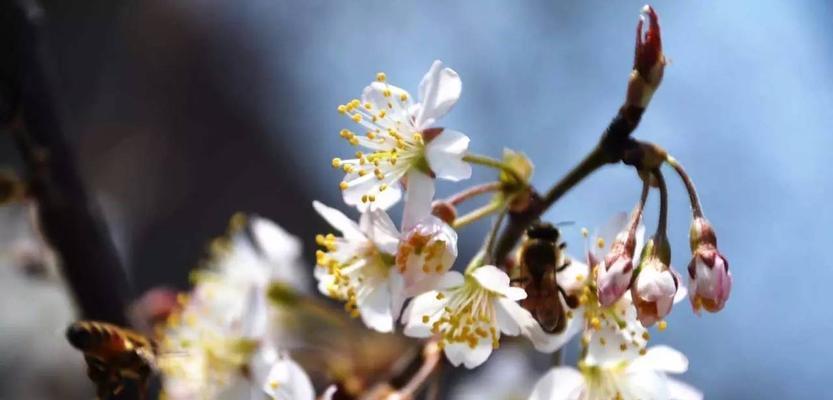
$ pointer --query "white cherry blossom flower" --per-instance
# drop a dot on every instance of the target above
(223, 324)
(644, 378)
(356, 267)
(400, 141)
(468, 314)
(617, 364)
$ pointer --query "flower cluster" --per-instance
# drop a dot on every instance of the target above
(391, 276)
(221, 340)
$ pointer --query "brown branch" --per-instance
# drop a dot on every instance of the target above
(69, 218)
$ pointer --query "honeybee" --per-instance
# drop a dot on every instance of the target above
(540, 258)
(113, 354)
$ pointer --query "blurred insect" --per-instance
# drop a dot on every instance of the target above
(113, 354)
(540, 258)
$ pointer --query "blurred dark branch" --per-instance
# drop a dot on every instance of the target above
(69, 218)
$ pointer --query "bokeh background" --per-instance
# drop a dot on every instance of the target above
(183, 112)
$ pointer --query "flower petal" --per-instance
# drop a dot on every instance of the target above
(461, 353)
(438, 92)
(375, 95)
(339, 221)
(661, 358)
(287, 380)
(379, 228)
(445, 156)
(682, 391)
(546, 342)
(418, 198)
(491, 278)
(560, 383)
(375, 307)
(573, 278)
(508, 314)
(422, 305)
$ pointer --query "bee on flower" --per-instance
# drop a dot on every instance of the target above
(400, 143)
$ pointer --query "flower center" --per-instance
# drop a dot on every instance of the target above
(468, 316)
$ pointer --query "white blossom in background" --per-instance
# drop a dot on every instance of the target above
(468, 313)
(224, 324)
(399, 143)
(356, 267)
(288, 381)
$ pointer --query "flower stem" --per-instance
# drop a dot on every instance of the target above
(490, 162)
(473, 191)
(663, 205)
(696, 208)
(640, 207)
(430, 363)
(477, 214)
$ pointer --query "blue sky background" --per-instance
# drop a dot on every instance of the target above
(745, 105)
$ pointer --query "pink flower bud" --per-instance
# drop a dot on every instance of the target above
(648, 59)
(710, 281)
(653, 291)
(614, 273)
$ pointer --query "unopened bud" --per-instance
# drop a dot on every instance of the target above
(614, 273)
(648, 62)
(710, 281)
(653, 291)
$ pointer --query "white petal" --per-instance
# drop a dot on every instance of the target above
(661, 358)
(359, 186)
(397, 293)
(438, 92)
(445, 156)
(274, 241)
(375, 308)
(645, 385)
(546, 342)
(508, 314)
(682, 292)
(682, 391)
(460, 353)
(640, 241)
(287, 380)
(329, 393)
(374, 94)
(450, 279)
(491, 278)
(339, 221)
(560, 383)
(418, 199)
(379, 228)
(424, 304)
(573, 278)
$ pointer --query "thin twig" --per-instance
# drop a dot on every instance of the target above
(431, 355)
(473, 191)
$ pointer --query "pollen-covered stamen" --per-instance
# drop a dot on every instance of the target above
(394, 142)
(426, 246)
(349, 268)
(468, 317)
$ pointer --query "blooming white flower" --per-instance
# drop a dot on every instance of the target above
(468, 314)
(644, 378)
(224, 323)
(356, 267)
(399, 141)
(617, 364)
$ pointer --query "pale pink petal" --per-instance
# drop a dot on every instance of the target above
(439, 91)
(422, 305)
(461, 353)
(418, 198)
(339, 221)
(661, 358)
(491, 278)
(682, 391)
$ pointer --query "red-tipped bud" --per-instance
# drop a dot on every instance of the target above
(648, 61)
(710, 281)
(614, 273)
